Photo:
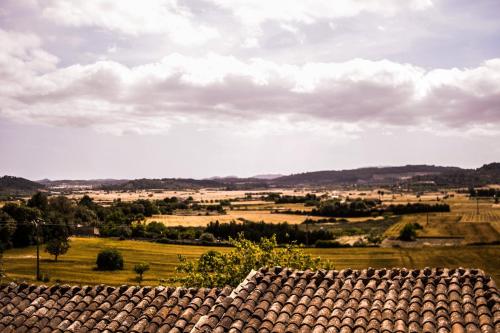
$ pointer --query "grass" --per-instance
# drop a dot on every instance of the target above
(77, 266)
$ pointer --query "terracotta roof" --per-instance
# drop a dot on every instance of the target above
(30, 308)
(269, 300)
(397, 300)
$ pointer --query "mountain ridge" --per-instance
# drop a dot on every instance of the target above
(370, 176)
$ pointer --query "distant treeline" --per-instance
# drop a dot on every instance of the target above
(62, 217)
(254, 231)
(414, 208)
(368, 208)
(484, 192)
(308, 199)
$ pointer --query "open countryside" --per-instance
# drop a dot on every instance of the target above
(249, 166)
(78, 265)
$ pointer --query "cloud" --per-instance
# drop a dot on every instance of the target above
(131, 17)
(215, 89)
(192, 22)
(258, 11)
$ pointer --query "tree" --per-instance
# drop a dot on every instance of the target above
(207, 237)
(24, 234)
(86, 201)
(408, 233)
(140, 269)
(109, 260)
(39, 200)
(85, 216)
(216, 269)
(57, 247)
(7, 228)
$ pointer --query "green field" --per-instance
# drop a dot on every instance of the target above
(76, 267)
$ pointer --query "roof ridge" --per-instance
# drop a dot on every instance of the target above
(197, 327)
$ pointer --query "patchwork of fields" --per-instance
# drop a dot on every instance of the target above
(462, 224)
(77, 266)
(203, 220)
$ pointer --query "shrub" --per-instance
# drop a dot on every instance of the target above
(408, 233)
(109, 260)
(207, 237)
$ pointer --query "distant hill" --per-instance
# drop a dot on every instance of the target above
(411, 175)
(367, 176)
(18, 185)
(485, 175)
(165, 184)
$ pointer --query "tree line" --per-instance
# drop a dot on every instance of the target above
(310, 199)
(484, 192)
(368, 208)
(254, 231)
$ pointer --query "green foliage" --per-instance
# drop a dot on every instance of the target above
(140, 269)
(408, 232)
(39, 200)
(216, 269)
(109, 260)
(7, 228)
(207, 237)
(24, 235)
(57, 247)
(349, 208)
(156, 229)
(254, 231)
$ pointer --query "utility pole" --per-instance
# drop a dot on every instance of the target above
(37, 223)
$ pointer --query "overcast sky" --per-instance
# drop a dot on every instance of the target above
(197, 88)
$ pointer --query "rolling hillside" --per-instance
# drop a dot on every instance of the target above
(18, 185)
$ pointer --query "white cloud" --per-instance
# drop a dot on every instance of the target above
(131, 17)
(184, 22)
(255, 12)
(112, 97)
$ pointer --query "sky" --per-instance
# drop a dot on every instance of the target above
(198, 88)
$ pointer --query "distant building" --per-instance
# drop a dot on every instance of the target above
(83, 230)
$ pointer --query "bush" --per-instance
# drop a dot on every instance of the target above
(408, 233)
(207, 237)
(109, 260)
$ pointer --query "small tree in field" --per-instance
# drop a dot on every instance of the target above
(408, 233)
(57, 247)
(216, 269)
(140, 269)
(109, 260)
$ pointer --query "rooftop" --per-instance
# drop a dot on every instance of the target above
(268, 300)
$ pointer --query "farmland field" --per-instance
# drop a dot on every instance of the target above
(202, 194)
(449, 225)
(203, 220)
(76, 267)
